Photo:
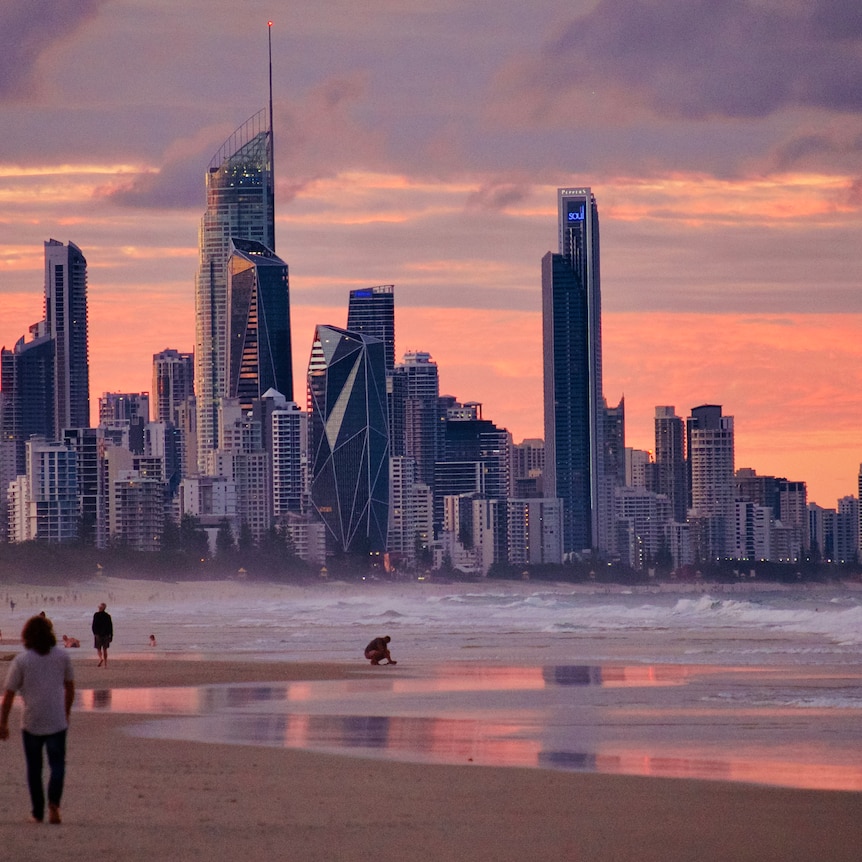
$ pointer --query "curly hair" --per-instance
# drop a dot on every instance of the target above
(38, 635)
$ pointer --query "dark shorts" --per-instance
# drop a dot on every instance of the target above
(101, 641)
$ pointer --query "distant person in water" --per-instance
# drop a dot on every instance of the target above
(103, 633)
(152, 640)
(379, 649)
(42, 674)
(70, 643)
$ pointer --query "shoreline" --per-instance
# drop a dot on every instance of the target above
(137, 799)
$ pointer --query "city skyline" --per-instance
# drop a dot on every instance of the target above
(729, 193)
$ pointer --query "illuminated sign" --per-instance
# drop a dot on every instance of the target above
(575, 211)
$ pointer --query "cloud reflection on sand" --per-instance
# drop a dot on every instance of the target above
(668, 721)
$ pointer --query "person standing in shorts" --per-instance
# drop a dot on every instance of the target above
(43, 675)
(103, 633)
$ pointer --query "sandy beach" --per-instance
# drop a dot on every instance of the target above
(135, 799)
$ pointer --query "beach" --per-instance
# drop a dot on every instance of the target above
(138, 799)
(522, 721)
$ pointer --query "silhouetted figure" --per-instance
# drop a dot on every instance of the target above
(379, 649)
(103, 633)
(43, 675)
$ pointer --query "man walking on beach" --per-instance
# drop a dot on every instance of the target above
(103, 633)
(43, 675)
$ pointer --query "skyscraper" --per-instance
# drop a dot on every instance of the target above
(670, 461)
(572, 348)
(349, 446)
(371, 311)
(27, 381)
(259, 351)
(240, 205)
(173, 383)
(712, 483)
(415, 418)
(66, 321)
(473, 462)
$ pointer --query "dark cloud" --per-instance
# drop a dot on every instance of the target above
(29, 28)
(701, 58)
(497, 196)
(177, 185)
(180, 183)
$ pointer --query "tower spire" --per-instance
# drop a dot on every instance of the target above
(271, 129)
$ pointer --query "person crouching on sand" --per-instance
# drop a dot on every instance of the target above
(379, 649)
(70, 643)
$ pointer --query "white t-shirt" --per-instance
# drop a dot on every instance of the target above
(40, 680)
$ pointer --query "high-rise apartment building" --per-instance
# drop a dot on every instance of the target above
(712, 483)
(242, 458)
(535, 528)
(402, 540)
(572, 348)
(474, 462)
(793, 512)
(123, 408)
(173, 384)
(46, 381)
(66, 323)
(27, 383)
(259, 350)
(349, 449)
(859, 513)
(526, 467)
(670, 470)
(240, 205)
(415, 416)
(44, 501)
(89, 445)
(371, 311)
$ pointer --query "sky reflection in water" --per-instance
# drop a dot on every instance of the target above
(727, 724)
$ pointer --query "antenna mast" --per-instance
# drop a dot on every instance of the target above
(271, 129)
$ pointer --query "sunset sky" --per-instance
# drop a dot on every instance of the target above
(421, 145)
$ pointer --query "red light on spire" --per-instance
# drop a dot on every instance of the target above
(269, 23)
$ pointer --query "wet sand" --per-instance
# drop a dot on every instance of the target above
(139, 799)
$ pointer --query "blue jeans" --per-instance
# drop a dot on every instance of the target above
(55, 747)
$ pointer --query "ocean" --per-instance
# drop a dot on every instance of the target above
(742, 682)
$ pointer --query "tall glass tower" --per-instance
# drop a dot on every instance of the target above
(349, 446)
(240, 205)
(371, 311)
(259, 353)
(671, 478)
(66, 321)
(572, 353)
